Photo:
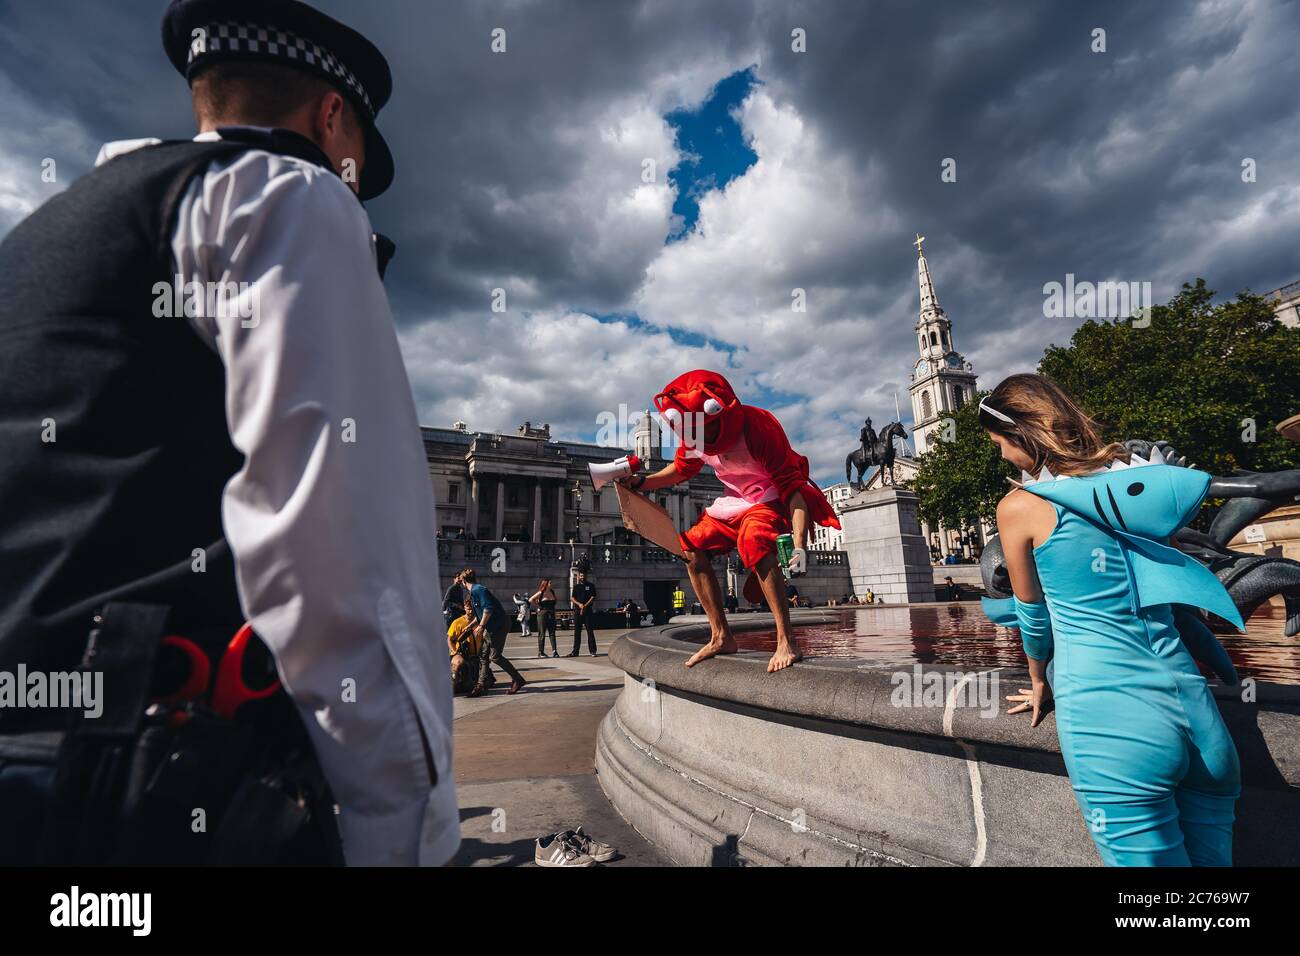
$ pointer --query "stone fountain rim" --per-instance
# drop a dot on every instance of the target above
(842, 691)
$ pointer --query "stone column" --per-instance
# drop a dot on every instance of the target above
(537, 510)
(501, 509)
(675, 509)
(559, 513)
(471, 520)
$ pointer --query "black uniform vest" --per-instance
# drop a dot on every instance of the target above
(114, 447)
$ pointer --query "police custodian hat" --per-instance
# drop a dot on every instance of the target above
(295, 34)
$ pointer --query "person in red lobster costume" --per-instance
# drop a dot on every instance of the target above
(770, 494)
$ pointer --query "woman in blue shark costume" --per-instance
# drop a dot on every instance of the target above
(1105, 611)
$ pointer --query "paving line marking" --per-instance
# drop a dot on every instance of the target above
(972, 767)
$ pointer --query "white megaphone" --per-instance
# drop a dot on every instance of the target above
(602, 473)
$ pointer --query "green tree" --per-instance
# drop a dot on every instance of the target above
(1212, 380)
(962, 477)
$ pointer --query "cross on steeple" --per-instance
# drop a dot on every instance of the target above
(919, 239)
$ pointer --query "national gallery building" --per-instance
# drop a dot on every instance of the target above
(530, 487)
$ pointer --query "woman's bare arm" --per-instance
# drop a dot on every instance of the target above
(1017, 514)
(1025, 521)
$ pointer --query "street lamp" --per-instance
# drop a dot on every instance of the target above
(577, 533)
(577, 522)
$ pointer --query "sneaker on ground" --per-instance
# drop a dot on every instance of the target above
(600, 852)
(560, 850)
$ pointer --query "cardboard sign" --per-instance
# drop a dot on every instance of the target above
(647, 519)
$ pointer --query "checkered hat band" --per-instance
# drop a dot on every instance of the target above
(232, 36)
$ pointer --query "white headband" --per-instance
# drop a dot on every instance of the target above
(995, 413)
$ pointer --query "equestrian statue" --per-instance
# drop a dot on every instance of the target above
(876, 450)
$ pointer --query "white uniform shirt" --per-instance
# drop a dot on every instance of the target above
(334, 540)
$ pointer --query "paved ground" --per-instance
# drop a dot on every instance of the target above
(525, 765)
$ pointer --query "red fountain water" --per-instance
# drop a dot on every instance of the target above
(959, 635)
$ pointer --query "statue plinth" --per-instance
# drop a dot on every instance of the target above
(886, 551)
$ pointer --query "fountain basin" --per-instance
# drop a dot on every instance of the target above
(840, 761)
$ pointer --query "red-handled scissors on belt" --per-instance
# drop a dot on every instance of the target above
(231, 692)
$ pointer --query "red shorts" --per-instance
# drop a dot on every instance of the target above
(752, 533)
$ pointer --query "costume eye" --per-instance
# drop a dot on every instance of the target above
(673, 417)
(1135, 489)
(712, 406)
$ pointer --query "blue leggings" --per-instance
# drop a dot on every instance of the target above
(1157, 779)
(1186, 828)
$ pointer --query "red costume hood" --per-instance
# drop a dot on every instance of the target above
(700, 396)
(697, 398)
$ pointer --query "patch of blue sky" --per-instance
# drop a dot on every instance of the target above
(679, 336)
(713, 146)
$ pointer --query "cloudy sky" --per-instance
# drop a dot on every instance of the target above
(772, 170)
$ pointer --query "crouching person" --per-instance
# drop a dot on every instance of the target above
(492, 627)
(465, 644)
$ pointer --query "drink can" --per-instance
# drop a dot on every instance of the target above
(784, 548)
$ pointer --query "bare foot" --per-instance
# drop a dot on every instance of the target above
(717, 645)
(787, 652)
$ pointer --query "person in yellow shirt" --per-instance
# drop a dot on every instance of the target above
(464, 645)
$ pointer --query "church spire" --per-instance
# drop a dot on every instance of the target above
(942, 380)
(930, 307)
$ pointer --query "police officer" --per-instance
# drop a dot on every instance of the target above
(583, 599)
(204, 409)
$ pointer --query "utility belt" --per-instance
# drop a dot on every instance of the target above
(195, 755)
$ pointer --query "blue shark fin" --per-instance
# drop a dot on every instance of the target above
(1164, 575)
(1141, 502)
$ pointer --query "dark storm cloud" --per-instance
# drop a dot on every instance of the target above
(1104, 165)
(510, 168)
(480, 133)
